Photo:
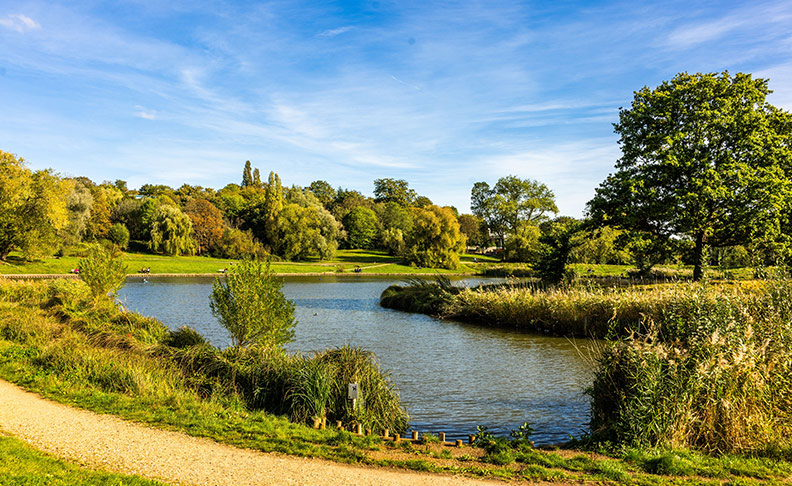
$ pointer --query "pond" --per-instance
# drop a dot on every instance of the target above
(451, 376)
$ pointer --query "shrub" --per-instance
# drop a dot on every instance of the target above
(103, 271)
(119, 235)
(250, 305)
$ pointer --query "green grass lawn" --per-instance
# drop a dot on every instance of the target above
(21, 464)
(345, 261)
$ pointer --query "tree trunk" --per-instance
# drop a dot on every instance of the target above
(4, 251)
(698, 256)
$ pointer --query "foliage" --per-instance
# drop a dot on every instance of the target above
(128, 213)
(525, 244)
(79, 202)
(273, 204)
(247, 176)
(119, 235)
(557, 245)
(392, 239)
(712, 372)
(250, 305)
(395, 191)
(306, 231)
(435, 240)
(324, 192)
(171, 231)
(704, 157)
(32, 207)
(361, 227)
(510, 204)
(346, 200)
(99, 223)
(103, 271)
(207, 225)
(238, 244)
(474, 228)
(600, 246)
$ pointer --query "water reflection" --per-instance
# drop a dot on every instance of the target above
(452, 376)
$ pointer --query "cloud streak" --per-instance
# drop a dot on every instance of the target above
(20, 23)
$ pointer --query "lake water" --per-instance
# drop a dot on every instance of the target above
(451, 376)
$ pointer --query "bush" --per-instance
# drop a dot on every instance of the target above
(103, 271)
(119, 235)
(250, 305)
(237, 244)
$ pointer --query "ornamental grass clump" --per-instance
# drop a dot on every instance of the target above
(712, 371)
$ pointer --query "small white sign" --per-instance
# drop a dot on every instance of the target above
(352, 391)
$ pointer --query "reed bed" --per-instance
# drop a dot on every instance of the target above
(593, 311)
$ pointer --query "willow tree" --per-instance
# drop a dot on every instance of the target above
(704, 158)
(171, 232)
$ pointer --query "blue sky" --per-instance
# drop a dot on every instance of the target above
(442, 94)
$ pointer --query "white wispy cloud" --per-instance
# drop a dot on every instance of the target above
(19, 23)
(145, 114)
(693, 35)
(330, 33)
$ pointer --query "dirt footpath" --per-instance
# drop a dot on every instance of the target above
(111, 443)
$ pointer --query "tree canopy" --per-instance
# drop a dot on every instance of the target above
(435, 239)
(512, 206)
(394, 190)
(32, 207)
(704, 158)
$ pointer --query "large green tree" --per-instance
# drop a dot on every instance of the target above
(512, 206)
(361, 227)
(171, 231)
(394, 190)
(704, 157)
(32, 207)
(434, 240)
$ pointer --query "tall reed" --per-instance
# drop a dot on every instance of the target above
(711, 370)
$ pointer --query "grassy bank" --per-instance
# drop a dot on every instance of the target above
(20, 465)
(345, 261)
(56, 342)
(586, 310)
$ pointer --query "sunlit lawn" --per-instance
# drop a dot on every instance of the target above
(345, 261)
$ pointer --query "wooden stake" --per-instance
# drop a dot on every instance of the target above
(441, 436)
(414, 435)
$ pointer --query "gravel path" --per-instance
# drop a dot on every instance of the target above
(111, 443)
